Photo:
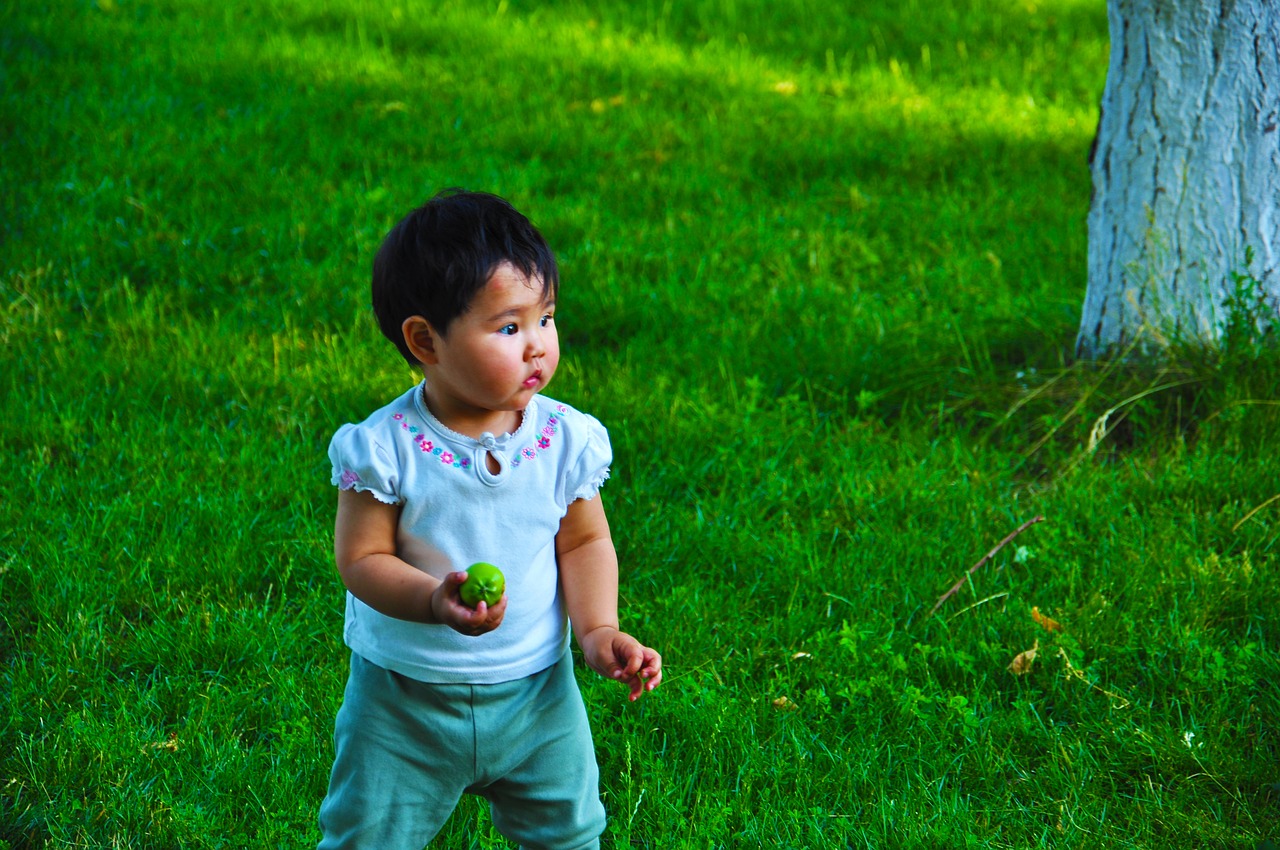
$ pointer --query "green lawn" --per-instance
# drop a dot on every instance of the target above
(822, 273)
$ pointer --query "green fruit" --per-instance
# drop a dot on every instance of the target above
(485, 583)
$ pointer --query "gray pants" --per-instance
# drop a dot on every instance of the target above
(406, 752)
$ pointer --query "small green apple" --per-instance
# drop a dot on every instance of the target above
(485, 582)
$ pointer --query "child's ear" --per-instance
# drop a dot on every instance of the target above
(421, 339)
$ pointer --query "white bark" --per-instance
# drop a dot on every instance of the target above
(1186, 171)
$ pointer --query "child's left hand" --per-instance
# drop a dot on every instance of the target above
(617, 655)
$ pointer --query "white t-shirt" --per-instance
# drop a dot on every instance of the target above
(456, 512)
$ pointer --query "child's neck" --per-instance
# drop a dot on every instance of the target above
(472, 422)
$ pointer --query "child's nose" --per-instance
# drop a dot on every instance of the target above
(537, 345)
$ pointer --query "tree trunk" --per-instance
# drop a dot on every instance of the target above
(1186, 175)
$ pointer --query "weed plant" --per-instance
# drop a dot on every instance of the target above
(822, 266)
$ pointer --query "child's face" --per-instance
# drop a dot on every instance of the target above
(499, 353)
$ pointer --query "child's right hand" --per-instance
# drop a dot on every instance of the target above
(448, 609)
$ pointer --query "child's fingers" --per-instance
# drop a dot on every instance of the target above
(643, 672)
(476, 621)
(652, 660)
(631, 662)
(647, 663)
(649, 676)
(624, 659)
(641, 686)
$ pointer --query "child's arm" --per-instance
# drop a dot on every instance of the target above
(589, 578)
(364, 546)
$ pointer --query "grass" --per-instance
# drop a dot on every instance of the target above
(821, 283)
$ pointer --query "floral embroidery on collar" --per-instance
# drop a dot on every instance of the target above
(544, 438)
(529, 452)
(429, 447)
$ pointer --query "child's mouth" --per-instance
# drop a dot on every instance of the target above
(533, 380)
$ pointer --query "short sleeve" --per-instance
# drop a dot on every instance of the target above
(361, 464)
(592, 467)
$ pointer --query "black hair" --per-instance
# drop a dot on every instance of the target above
(438, 257)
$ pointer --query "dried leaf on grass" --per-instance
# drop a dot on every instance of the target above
(1023, 661)
(1047, 623)
(784, 704)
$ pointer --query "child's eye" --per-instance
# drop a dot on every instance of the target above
(508, 330)
(547, 319)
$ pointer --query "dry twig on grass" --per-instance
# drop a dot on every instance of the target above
(987, 557)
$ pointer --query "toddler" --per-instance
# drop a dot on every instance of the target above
(472, 464)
